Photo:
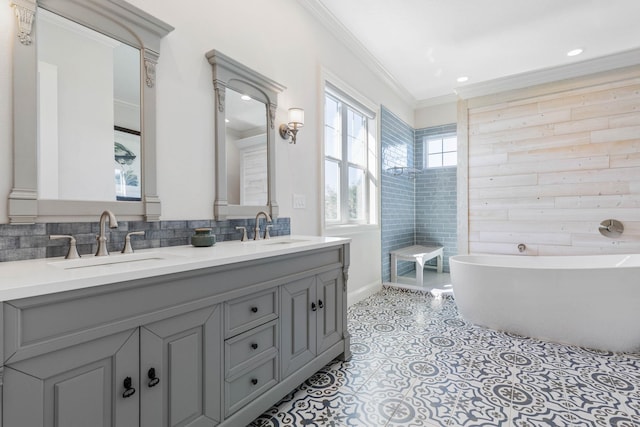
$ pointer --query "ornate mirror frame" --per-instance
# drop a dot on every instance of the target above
(114, 18)
(228, 73)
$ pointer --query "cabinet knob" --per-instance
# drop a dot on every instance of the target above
(320, 304)
(153, 380)
(128, 388)
(254, 309)
(254, 381)
(313, 306)
(254, 346)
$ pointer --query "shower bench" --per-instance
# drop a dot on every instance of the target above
(418, 254)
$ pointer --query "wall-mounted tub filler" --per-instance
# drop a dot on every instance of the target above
(611, 228)
(522, 247)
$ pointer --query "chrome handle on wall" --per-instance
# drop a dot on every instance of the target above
(611, 228)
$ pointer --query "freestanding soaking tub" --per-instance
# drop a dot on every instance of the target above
(589, 301)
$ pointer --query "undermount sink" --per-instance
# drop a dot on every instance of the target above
(115, 259)
(280, 241)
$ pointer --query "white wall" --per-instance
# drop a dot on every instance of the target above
(277, 38)
(436, 115)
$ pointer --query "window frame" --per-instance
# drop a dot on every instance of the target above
(441, 136)
(370, 204)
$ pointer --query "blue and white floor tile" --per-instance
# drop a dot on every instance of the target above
(416, 362)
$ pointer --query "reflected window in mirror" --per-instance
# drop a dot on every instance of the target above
(246, 140)
(89, 113)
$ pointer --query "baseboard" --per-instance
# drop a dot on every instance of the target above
(363, 292)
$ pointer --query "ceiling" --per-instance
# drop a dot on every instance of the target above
(424, 46)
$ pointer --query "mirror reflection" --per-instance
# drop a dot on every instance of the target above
(89, 123)
(246, 147)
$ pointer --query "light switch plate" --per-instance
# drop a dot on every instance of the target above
(299, 201)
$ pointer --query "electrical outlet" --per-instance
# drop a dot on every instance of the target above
(299, 201)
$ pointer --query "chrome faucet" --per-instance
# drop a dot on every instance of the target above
(102, 238)
(256, 234)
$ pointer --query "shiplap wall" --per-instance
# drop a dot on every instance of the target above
(546, 164)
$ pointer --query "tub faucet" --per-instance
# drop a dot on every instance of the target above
(102, 238)
(256, 234)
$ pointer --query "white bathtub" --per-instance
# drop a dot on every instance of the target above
(589, 301)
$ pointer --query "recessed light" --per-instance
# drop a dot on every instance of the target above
(462, 79)
(226, 120)
(245, 98)
(575, 52)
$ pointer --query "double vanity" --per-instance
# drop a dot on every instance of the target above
(178, 336)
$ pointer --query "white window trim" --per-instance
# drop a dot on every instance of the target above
(327, 76)
(425, 149)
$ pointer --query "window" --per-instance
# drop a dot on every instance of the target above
(350, 160)
(441, 150)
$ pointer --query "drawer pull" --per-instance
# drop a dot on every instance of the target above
(254, 346)
(254, 381)
(320, 304)
(313, 306)
(254, 309)
(128, 388)
(153, 380)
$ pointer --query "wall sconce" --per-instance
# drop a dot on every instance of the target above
(296, 121)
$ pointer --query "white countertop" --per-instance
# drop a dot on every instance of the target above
(22, 279)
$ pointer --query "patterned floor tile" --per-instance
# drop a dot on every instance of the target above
(417, 363)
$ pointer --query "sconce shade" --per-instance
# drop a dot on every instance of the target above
(296, 121)
(296, 117)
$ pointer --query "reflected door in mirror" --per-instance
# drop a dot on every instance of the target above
(88, 84)
(246, 148)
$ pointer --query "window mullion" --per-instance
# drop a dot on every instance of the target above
(344, 170)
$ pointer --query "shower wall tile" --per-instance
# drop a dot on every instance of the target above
(435, 201)
(398, 211)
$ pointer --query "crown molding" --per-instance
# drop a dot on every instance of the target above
(549, 75)
(335, 27)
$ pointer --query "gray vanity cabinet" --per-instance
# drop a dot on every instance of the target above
(164, 373)
(76, 386)
(312, 318)
(203, 347)
(180, 361)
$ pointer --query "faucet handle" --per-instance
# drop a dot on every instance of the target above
(266, 231)
(244, 233)
(72, 253)
(128, 249)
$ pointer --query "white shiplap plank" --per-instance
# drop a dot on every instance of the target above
(616, 134)
(551, 165)
(602, 201)
(592, 175)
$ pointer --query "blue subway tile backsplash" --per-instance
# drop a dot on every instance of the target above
(20, 242)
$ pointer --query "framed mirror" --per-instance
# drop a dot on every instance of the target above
(245, 107)
(84, 110)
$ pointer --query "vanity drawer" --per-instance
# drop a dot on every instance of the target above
(246, 387)
(242, 314)
(242, 350)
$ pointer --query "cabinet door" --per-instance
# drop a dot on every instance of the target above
(181, 368)
(298, 324)
(78, 386)
(329, 309)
